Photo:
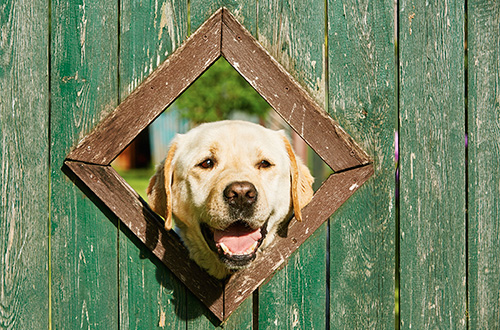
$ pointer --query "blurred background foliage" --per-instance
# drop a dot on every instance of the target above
(219, 94)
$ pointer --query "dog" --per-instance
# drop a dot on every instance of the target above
(228, 186)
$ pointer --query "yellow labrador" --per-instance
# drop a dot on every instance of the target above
(228, 186)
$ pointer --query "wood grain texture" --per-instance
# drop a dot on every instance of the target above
(149, 99)
(295, 297)
(484, 169)
(151, 297)
(294, 34)
(84, 89)
(199, 317)
(244, 11)
(288, 98)
(432, 153)
(24, 170)
(362, 97)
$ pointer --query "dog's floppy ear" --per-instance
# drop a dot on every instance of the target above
(160, 188)
(302, 181)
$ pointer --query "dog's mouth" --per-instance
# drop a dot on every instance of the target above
(236, 245)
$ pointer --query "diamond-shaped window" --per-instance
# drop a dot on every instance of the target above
(220, 35)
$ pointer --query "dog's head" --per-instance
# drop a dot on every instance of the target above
(228, 186)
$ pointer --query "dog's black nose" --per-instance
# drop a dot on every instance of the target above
(240, 195)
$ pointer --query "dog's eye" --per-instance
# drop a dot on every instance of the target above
(264, 164)
(207, 163)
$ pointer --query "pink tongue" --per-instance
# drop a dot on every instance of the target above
(237, 238)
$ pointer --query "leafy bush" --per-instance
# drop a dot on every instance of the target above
(219, 93)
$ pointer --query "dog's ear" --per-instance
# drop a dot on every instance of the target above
(302, 181)
(160, 188)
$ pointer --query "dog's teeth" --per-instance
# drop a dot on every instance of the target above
(225, 249)
(252, 248)
(228, 252)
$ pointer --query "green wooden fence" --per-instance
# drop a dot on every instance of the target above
(427, 70)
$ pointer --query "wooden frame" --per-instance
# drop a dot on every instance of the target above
(220, 35)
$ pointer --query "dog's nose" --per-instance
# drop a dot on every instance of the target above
(240, 195)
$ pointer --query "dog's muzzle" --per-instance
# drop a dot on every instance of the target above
(236, 245)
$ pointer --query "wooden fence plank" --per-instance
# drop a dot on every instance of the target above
(24, 170)
(150, 295)
(294, 34)
(432, 127)
(296, 296)
(84, 89)
(484, 168)
(245, 12)
(201, 318)
(362, 97)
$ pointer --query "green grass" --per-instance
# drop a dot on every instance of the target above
(138, 179)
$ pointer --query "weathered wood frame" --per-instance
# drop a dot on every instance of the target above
(220, 35)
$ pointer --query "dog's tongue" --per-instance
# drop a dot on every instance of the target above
(238, 238)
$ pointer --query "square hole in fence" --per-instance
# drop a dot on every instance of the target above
(220, 93)
(220, 36)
